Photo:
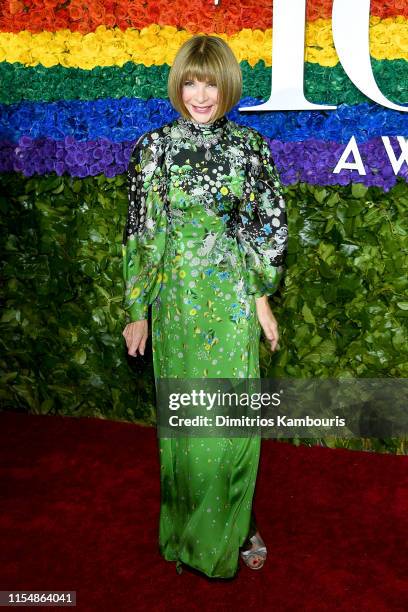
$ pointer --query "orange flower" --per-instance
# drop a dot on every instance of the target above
(97, 13)
(121, 12)
(16, 6)
(110, 20)
(75, 12)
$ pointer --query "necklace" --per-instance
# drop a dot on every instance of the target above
(197, 132)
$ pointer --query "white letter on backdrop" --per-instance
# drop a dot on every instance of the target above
(343, 164)
(396, 163)
(351, 34)
(288, 57)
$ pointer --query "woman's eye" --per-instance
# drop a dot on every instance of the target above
(191, 83)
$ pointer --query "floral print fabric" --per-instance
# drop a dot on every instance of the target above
(234, 199)
(204, 238)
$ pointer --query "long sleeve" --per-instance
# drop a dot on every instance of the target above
(144, 236)
(262, 224)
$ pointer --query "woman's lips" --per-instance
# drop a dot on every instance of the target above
(204, 109)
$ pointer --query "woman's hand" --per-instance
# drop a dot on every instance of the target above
(268, 322)
(136, 334)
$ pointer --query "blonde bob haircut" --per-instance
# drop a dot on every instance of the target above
(206, 58)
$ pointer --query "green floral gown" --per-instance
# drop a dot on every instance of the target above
(203, 239)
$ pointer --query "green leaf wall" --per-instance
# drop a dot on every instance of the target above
(342, 310)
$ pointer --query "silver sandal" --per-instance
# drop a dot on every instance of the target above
(259, 551)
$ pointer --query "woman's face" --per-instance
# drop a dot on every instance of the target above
(200, 99)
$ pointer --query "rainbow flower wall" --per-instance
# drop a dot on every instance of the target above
(81, 81)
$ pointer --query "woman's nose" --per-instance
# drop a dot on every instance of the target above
(201, 93)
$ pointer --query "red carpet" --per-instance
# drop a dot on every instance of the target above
(80, 511)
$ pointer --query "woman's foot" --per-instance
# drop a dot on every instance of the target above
(255, 556)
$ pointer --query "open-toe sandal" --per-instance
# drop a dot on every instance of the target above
(254, 558)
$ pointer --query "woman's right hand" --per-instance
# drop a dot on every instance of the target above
(136, 334)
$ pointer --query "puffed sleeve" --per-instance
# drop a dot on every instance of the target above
(144, 235)
(262, 224)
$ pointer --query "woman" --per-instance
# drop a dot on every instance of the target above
(203, 244)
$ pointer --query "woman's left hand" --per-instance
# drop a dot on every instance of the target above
(267, 320)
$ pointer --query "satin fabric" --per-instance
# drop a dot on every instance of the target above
(204, 238)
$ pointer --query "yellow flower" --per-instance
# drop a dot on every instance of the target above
(135, 293)
(224, 190)
(323, 36)
(193, 311)
(157, 45)
(182, 273)
(252, 196)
